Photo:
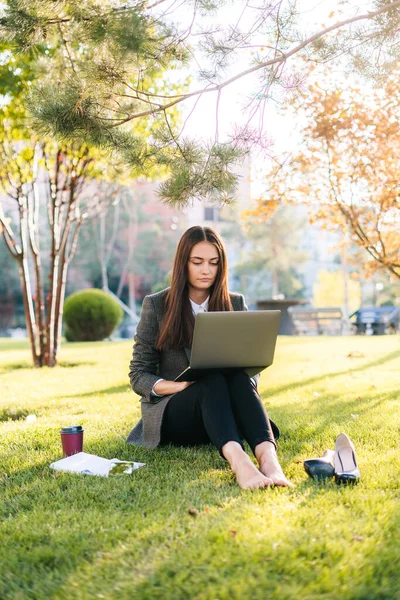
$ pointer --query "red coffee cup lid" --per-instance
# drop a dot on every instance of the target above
(72, 429)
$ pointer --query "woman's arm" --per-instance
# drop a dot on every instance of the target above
(144, 364)
(165, 387)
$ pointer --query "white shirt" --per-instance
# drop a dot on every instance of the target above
(196, 308)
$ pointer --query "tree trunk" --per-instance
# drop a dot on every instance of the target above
(43, 313)
(33, 225)
(54, 220)
(52, 300)
(275, 279)
(39, 309)
(275, 283)
(59, 304)
(62, 282)
(25, 277)
(102, 251)
(131, 288)
(126, 275)
(28, 308)
(343, 260)
(51, 308)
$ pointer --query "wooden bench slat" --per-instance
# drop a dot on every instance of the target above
(317, 320)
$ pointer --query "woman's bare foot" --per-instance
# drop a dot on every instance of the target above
(247, 474)
(269, 464)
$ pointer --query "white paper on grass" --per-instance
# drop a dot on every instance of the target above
(90, 464)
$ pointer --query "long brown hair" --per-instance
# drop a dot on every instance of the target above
(178, 322)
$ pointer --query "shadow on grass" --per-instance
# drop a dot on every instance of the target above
(161, 547)
(13, 414)
(300, 425)
(136, 531)
(209, 559)
(311, 380)
(134, 536)
(65, 364)
(5, 368)
(77, 513)
(266, 394)
(15, 367)
(116, 389)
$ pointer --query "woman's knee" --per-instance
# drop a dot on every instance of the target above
(214, 379)
(239, 377)
(213, 387)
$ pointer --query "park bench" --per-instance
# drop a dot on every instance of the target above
(317, 321)
(376, 320)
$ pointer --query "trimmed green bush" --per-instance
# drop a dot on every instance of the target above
(90, 316)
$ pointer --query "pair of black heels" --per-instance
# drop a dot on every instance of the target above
(340, 463)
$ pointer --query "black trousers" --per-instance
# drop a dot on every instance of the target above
(218, 409)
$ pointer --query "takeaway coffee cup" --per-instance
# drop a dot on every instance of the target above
(72, 439)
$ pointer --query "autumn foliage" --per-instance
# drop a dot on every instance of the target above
(348, 171)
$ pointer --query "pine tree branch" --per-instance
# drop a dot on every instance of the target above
(173, 135)
(262, 65)
(157, 3)
(67, 50)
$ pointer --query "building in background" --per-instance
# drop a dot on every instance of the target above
(317, 260)
(141, 255)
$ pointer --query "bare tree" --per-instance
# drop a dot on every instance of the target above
(116, 200)
(37, 179)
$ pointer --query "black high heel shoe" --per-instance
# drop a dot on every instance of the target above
(320, 468)
(345, 461)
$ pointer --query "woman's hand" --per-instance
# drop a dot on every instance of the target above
(165, 387)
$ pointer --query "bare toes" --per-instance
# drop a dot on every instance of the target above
(282, 481)
(268, 482)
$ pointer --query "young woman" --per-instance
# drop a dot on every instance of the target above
(220, 409)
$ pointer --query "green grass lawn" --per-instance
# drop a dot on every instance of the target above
(180, 528)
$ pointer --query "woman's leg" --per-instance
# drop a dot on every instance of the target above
(248, 410)
(269, 465)
(253, 422)
(202, 413)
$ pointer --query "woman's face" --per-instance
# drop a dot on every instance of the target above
(203, 266)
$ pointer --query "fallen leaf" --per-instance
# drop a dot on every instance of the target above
(358, 398)
(355, 354)
(233, 532)
(358, 538)
(193, 512)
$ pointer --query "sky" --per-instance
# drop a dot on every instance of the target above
(281, 129)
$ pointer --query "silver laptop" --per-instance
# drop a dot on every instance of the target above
(227, 341)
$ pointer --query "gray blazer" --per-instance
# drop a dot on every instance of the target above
(148, 365)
